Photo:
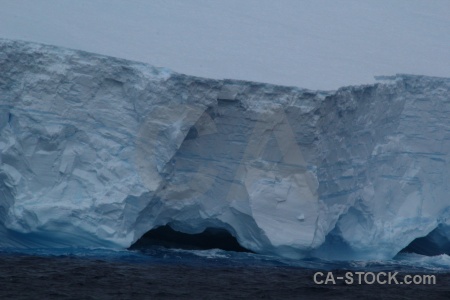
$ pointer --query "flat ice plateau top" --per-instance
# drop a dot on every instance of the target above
(96, 151)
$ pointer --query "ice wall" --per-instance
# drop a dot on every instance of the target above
(96, 151)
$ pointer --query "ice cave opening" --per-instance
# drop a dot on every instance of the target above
(210, 238)
(435, 243)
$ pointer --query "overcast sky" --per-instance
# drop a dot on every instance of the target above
(312, 44)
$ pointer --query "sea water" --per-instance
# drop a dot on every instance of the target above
(80, 273)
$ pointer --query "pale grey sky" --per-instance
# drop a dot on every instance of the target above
(313, 44)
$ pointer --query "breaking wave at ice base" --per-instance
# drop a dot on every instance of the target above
(404, 262)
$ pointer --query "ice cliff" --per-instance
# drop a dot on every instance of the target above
(96, 151)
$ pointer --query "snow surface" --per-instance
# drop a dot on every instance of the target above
(320, 44)
(96, 151)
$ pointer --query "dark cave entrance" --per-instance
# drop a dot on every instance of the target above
(433, 244)
(211, 238)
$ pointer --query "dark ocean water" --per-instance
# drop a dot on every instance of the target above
(202, 274)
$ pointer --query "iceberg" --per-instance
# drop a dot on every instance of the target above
(96, 151)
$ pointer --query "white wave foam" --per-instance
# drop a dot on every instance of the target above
(211, 253)
(438, 262)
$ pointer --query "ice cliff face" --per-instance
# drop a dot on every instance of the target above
(96, 151)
